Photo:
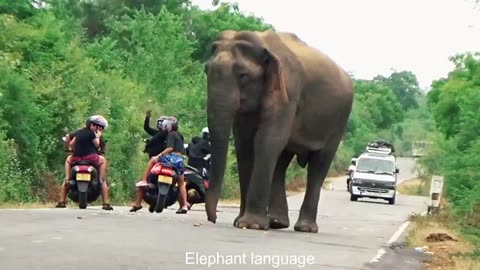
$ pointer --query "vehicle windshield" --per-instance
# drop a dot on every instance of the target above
(375, 165)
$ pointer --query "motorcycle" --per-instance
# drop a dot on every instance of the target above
(349, 173)
(84, 184)
(161, 190)
(196, 184)
(162, 187)
(349, 179)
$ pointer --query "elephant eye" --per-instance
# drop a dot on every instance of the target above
(241, 73)
(243, 77)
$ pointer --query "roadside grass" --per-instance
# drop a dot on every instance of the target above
(9, 205)
(419, 186)
(457, 253)
(295, 186)
(70, 204)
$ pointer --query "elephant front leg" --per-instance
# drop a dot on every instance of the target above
(278, 207)
(244, 138)
(317, 171)
(244, 165)
(259, 189)
(270, 140)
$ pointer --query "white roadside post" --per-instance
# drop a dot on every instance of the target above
(436, 192)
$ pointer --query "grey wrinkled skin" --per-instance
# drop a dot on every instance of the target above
(281, 98)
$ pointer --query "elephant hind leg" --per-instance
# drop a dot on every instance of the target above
(278, 206)
(318, 166)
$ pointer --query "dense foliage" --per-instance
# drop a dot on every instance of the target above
(455, 105)
(121, 57)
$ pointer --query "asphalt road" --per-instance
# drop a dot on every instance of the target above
(350, 236)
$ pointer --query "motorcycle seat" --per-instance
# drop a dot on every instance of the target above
(191, 168)
(83, 162)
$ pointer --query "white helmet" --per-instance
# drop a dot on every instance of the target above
(98, 120)
(205, 130)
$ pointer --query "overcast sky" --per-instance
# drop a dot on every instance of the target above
(371, 37)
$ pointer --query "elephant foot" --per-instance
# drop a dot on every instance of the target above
(306, 226)
(253, 222)
(235, 222)
(279, 223)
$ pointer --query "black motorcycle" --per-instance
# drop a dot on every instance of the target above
(84, 184)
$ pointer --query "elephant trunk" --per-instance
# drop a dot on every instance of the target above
(220, 119)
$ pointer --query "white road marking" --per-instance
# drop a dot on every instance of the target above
(392, 239)
(379, 255)
(399, 232)
(39, 241)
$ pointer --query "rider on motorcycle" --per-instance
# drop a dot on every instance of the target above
(173, 155)
(198, 150)
(85, 143)
(146, 123)
(156, 144)
(350, 171)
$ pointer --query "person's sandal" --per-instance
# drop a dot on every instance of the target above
(60, 205)
(107, 206)
(182, 211)
(135, 208)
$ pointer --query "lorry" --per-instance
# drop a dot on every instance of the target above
(375, 174)
(419, 148)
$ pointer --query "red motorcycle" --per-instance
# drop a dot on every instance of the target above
(162, 187)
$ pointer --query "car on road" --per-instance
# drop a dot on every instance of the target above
(375, 175)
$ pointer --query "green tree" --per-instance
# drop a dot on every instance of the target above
(405, 86)
(454, 102)
(205, 25)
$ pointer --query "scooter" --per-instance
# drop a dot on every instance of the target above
(84, 184)
(161, 189)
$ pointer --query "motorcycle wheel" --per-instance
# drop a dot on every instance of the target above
(160, 203)
(82, 200)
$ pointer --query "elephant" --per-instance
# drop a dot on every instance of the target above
(280, 98)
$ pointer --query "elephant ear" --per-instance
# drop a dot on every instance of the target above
(275, 80)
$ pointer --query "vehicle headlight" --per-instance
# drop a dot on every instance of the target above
(357, 181)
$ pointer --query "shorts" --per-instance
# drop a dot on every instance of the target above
(175, 160)
(94, 158)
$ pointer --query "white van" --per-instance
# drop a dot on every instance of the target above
(375, 176)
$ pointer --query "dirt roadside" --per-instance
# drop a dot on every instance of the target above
(437, 236)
